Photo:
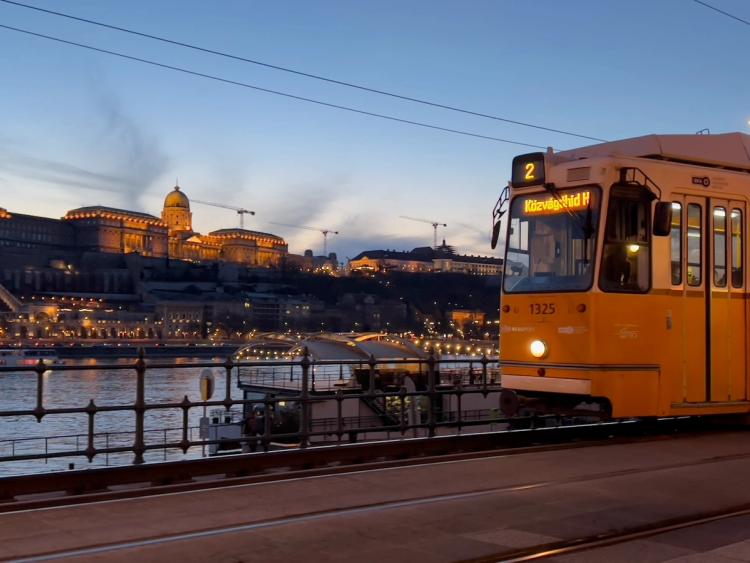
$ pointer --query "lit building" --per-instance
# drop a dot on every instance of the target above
(19, 231)
(308, 262)
(426, 259)
(251, 248)
(417, 260)
(105, 229)
(100, 229)
(463, 317)
(239, 246)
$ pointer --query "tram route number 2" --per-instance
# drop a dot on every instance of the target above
(542, 308)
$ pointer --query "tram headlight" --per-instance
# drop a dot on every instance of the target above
(538, 348)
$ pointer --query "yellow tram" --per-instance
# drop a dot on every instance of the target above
(625, 287)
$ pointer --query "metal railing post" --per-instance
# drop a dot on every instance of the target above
(304, 434)
(484, 374)
(372, 362)
(90, 449)
(459, 419)
(402, 399)
(339, 414)
(228, 365)
(139, 445)
(266, 438)
(185, 442)
(431, 394)
(39, 411)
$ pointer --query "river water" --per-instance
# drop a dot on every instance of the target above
(23, 434)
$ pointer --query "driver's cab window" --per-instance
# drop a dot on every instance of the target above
(626, 253)
(544, 249)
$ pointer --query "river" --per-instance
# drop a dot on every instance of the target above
(105, 387)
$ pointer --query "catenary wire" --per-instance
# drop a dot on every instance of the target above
(270, 91)
(710, 7)
(302, 73)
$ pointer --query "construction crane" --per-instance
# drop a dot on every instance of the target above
(435, 225)
(324, 232)
(240, 211)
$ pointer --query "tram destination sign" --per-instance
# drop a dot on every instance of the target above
(528, 170)
(551, 205)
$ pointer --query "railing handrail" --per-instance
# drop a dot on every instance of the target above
(381, 379)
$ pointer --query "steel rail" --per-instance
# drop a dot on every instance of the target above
(527, 554)
(188, 473)
(577, 545)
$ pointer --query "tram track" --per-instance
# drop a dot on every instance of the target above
(331, 461)
(527, 554)
(607, 539)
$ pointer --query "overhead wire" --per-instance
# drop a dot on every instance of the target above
(715, 9)
(301, 73)
(268, 90)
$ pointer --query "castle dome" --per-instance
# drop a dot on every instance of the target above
(176, 198)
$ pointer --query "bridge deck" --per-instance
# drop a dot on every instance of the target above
(438, 512)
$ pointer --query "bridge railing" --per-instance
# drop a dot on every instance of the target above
(402, 395)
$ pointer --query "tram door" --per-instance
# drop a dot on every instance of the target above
(714, 315)
(727, 310)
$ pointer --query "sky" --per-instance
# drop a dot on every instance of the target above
(84, 128)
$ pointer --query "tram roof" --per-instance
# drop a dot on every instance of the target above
(726, 150)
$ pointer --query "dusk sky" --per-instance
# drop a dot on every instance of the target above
(84, 128)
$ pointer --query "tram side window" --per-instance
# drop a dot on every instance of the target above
(736, 221)
(694, 235)
(626, 257)
(676, 243)
(720, 247)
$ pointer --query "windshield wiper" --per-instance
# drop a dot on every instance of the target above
(586, 225)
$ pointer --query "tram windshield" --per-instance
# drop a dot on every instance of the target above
(551, 241)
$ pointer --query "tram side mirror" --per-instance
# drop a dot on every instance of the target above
(495, 235)
(662, 219)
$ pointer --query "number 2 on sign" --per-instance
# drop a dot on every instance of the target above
(530, 170)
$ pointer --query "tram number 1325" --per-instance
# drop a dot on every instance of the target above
(542, 308)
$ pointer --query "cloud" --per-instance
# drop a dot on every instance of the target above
(131, 159)
(311, 203)
(307, 203)
(54, 172)
(133, 152)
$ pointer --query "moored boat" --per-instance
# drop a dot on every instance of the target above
(13, 357)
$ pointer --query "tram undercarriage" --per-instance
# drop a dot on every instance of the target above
(531, 404)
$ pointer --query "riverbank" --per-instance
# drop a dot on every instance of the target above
(152, 350)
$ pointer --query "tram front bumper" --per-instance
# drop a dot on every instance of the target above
(547, 384)
(631, 390)
(512, 402)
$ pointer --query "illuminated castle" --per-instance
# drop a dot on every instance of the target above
(240, 246)
(110, 230)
